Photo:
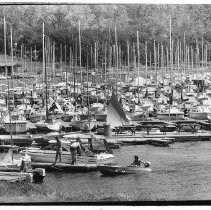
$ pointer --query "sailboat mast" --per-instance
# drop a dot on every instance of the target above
(170, 45)
(106, 80)
(138, 54)
(65, 60)
(46, 81)
(202, 56)
(10, 120)
(96, 72)
(192, 59)
(206, 56)
(155, 65)
(79, 36)
(184, 56)
(53, 63)
(170, 48)
(178, 59)
(146, 61)
(162, 63)
(128, 65)
(43, 40)
(71, 71)
(35, 59)
(12, 70)
(61, 61)
(76, 63)
(116, 47)
(150, 63)
(87, 73)
(158, 62)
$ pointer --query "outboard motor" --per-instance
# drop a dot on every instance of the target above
(38, 175)
(147, 164)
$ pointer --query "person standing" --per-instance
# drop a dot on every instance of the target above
(58, 150)
(74, 147)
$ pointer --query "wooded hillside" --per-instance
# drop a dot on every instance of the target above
(98, 23)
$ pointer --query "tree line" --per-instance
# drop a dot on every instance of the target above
(97, 25)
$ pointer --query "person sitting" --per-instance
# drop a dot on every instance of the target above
(136, 161)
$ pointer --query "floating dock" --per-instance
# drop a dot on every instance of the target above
(143, 138)
(66, 167)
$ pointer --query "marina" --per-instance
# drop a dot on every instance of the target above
(99, 109)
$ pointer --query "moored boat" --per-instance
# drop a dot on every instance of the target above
(18, 140)
(48, 156)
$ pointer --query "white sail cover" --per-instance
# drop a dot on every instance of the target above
(7, 158)
(115, 113)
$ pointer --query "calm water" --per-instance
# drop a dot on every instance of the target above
(179, 172)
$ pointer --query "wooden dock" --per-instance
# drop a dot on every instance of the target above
(143, 138)
(66, 167)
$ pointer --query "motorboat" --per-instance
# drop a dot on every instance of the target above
(111, 170)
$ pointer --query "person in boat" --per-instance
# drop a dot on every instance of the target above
(138, 162)
(58, 150)
(74, 148)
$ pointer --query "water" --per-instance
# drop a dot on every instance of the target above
(179, 172)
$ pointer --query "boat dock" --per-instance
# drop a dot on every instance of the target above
(66, 167)
(142, 138)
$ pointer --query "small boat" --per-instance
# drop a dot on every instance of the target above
(100, 152)
(48, 127)
(48, 156)
(13, 170)
(18, 126)
(18, 140)
(120, 170)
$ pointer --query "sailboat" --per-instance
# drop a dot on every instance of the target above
(115, 113)
(46, 156)
(10, 168)
(47, 125)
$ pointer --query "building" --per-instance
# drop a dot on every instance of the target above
(3, 69)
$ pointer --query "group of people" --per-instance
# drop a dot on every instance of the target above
(75, 148)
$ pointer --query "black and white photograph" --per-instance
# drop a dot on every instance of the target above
(105, 103)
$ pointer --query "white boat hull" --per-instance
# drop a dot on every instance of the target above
(16, 127)
(48, 156)
(199, 115)
(54, 127)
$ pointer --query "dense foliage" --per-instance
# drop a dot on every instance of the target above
(98, 23)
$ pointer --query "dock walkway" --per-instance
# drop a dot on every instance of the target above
(143, 138)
